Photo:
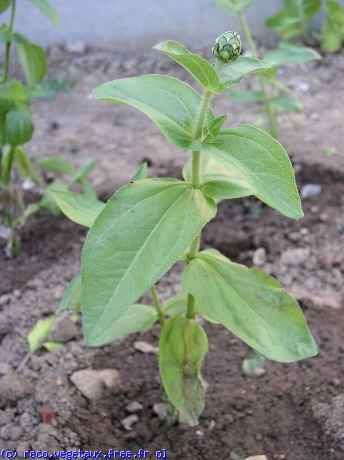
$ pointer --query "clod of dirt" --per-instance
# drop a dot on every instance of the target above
(161, 410)
(133, 407)
(295, 256)
(12, 388)
(64, 330)
(92, 383)
(5, 369)
(259, 257)
(129, 421)
(333, 415)
(257, 457)
(310, 190)
(145, 347)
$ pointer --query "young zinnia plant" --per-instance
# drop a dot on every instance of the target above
(150, 224)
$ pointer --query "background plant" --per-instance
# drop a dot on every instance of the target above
(16, 123)
(275, 96)
(294, 21)
(150, 224)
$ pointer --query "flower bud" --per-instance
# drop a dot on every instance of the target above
(227, 47)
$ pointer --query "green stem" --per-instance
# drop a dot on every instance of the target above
(157, 304)
(196, 183)
(262, 80)
(8, 44)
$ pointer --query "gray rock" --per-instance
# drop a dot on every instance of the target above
(93, 383)
(12, 388)
(257, 457)
(145, 347)
(63, 330)
(129, 421)
(295, 256)
(161, 410)
(259, 257)
(134, 407)
(332, 414)
(310, 190)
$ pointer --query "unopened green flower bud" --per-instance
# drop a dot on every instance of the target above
(227, 47)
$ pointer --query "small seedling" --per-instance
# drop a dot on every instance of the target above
(150, 224)
(275, 96)
(331, 36)
(16, 124)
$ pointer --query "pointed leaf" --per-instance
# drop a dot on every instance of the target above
(72, 298)
(51, 346)
(137, 318)
(141, 173)
(182, 349)
(78, 208)
(200, 69)
(287, 104)
(25, 165)
(171, 104)
(49, 12)
(32, 58)
(233, 6)
(262, 165)
(39, 333)
(4, 4)
(57, 165)
(142, 231)
(288, 54)
(219, 180)
(251, 304)
(234, 72)
(246, 95)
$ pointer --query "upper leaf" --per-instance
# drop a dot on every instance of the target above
(261, 164)
(4, 4)
(32, 58)
(57, 165)
(251, 304)
(49, 12)
(219, 180)
(72, 297)
(199, 68)
(141, 173)
(234, 72)
(288, 54)
(142, 231)
(39, 333)
(233, 6)
(171, 104)
(182, 348)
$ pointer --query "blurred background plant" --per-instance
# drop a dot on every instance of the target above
(275, 97)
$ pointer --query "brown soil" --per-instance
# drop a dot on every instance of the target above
(277, 414)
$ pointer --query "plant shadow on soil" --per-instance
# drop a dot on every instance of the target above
(277, 414)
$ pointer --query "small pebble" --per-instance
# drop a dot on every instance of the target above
(259, 257)
(310, 190)
(145, 347)
(129, 421)
(134, 406)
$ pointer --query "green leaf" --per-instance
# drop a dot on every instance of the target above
(234, 72)
(141, 173)
(51, 346)
(18, 125)
(142, 231)
(171, 104)
(137, 318)
(182, 349)
(72, 297)
(78, 208)
(85, 170)
(332, 32)
(57, 165)
(287, 104)
(48, 11)
(176, 304)
(25, 165)
(48, 200)
(261, 163)
(6, 162)
(215, 126)
(233, 6)
(39, 333)
(246, 95)
(200, 69)
(288, 54)
(32, 58)
(251, 304)
(4, 4)
(219, 179)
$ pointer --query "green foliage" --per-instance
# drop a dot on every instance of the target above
(48, 11)
(32, 58)
(233, 6)
(151, 224)
(331, 36)
(295, 19)
(38, 335)
(250, 304)
(182, 349)
(4, 4)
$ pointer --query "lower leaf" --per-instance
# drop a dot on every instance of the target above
(182, 348)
